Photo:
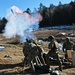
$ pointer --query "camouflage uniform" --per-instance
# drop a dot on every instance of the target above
(26, 49)
(67, 45)
(54, 49)
(31, 50)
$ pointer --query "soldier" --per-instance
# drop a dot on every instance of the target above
(54, 49)
(67, 45)
(30, 50)
(26, 50)
(26, 47)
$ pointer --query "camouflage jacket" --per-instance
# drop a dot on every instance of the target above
(67, 45)
(54, 46)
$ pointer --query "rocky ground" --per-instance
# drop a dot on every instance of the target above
(11, 56)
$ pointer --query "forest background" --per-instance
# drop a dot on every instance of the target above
(63, 14)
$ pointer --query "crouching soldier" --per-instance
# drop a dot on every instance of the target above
(30, 51)
(54, 48)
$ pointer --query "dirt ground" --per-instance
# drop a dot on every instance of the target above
(11, 56)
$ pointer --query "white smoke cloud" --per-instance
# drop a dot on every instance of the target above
(21, 24)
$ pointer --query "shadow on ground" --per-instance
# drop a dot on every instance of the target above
(39, 69)
(28, 71)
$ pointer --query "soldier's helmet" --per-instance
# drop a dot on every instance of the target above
(67, 39)
(28, 40)
(51, 37)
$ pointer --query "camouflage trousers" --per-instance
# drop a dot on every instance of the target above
(54, 56)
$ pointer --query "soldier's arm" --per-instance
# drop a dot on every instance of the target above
(72, 45)
(63, 47)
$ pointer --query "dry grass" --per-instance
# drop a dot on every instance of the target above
(11, 65)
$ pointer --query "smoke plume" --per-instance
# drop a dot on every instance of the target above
(21, 24)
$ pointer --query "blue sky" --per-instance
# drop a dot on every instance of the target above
(24, 4)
